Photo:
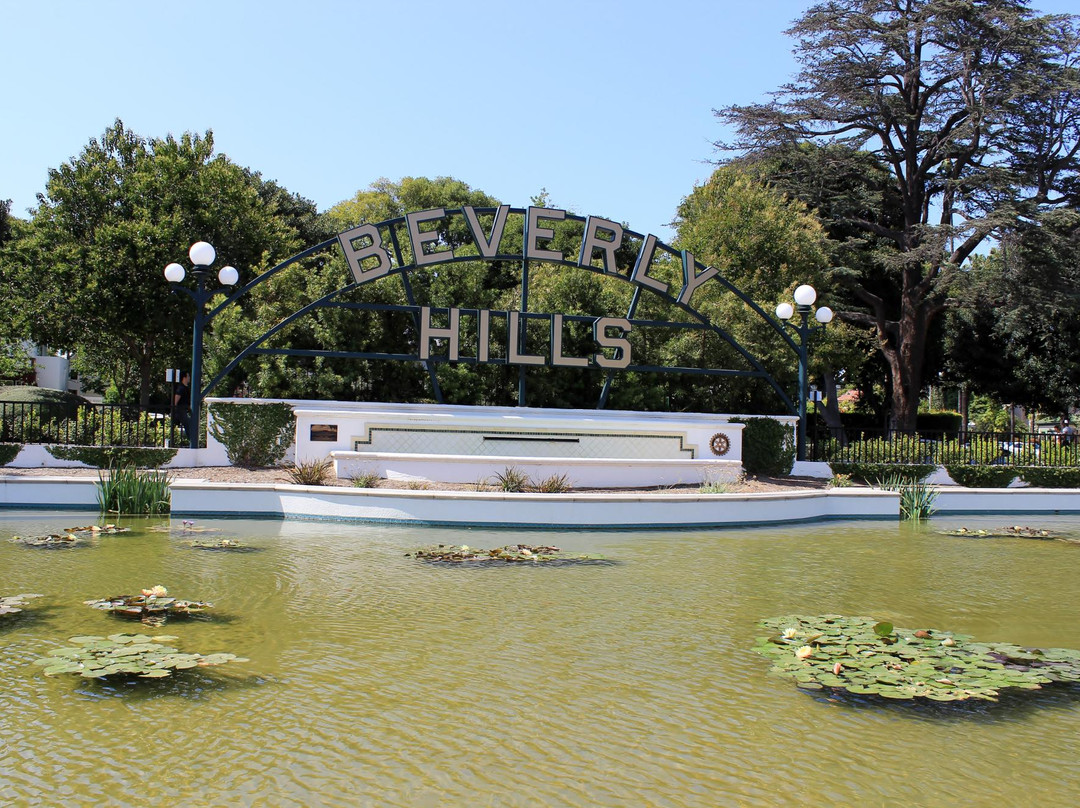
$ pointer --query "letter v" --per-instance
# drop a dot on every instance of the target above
(489, 248)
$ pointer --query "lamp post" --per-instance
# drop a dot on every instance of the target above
(805, 295)
(202, 255)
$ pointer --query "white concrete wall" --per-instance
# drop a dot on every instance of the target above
(629, 511)
(36, 455)
(580, 472)
(52, 372)
(48, 492)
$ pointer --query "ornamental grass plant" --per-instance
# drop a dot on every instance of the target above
(127, 489)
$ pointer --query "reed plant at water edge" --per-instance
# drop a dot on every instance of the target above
(126, 489)
(916, 497)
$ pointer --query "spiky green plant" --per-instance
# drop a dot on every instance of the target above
(365, 479)
(555, 484)
(130, 490)
(312, 472)
(512, 480)
(916, 497)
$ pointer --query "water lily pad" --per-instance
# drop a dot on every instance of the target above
(11, 604)
(136, 655)
(869, 657)
(152, 606)
(511, 553)
(223, 545)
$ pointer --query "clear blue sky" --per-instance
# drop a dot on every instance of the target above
(606, 104)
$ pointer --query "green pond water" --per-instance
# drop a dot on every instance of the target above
(376, 679)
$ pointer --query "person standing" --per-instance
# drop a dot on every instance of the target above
(1068, 434)
(182, 404)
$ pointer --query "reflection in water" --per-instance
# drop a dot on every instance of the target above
(376, 679)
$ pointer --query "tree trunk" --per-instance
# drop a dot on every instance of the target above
(906, 359)
(145, 382)
(831, 409)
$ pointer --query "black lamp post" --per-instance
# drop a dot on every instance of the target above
(202, 255)
(805, 296)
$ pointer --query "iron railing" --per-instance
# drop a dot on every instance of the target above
(86, 425)
(945, 447)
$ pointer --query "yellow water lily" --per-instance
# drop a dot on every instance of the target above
(804, 652)
(789, 633)
(155, 592)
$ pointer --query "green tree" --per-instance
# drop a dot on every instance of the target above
(972, 108)
(89, 267)
(763, 243)
(326, 330)
(1015, 338)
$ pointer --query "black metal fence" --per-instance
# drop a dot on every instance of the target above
(86, 425)
(944, 448)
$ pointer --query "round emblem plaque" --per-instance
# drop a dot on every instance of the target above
(719, 444)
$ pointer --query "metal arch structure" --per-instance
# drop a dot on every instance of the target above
(380, 255)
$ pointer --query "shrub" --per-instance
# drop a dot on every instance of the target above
(312, 472)
(916, 498)
(94, 427)
(103, 457)
(943, 421)
(365, 479)
(555, 484)
(871, 472)
(253, 434)
(898, 449)
(8, 452)
(982, 476)
(128, 490)
(1051, 476)
(768, 447)
(512, 480)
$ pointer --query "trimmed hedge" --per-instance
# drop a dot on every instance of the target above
(254, 435)
(104, 457)
(8, 452)
(768, 447)
(873, 472)
(1051, 476)
(982, 476)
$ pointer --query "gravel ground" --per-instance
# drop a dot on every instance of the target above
(280, 474)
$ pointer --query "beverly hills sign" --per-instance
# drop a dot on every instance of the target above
(370, 258)
(438, 334)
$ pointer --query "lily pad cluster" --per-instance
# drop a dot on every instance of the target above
(126, 655)
(228, 545)
(71, 537)
(153, 606)
(50, 541)
(864, 656)
(1011, 531)
(1002, 532)
(98, 530)
(458, 553)
(11, 604)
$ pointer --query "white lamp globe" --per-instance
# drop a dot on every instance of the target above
(805, 295)
(174, 273)
(228, 276)
(823, 315)
(202, 254)
(784, 311)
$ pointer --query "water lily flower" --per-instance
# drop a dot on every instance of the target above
(804, 652)
(789, 633)
(949, 642)
(155, 592)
